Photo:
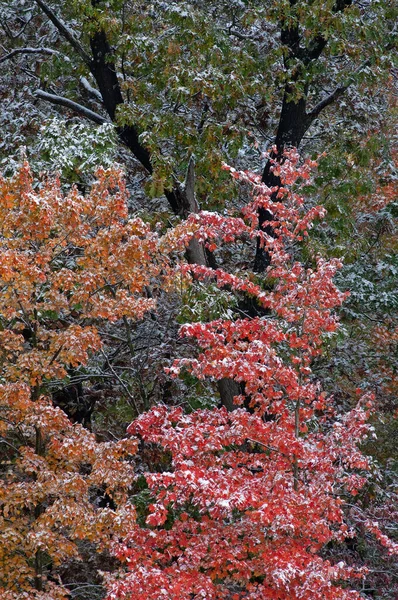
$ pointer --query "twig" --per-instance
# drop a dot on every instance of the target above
(124, 386)
(339, 91)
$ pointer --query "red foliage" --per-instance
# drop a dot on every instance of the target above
(253, 495)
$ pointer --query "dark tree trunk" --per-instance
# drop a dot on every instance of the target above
(294, 120)
(103, 70)
(293, 124)
(228, 389)
(182, 197)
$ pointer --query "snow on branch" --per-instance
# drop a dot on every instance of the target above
(318, 108)
(82, 110)
(337, 92)
(30, 51)
(65, 31)
(92, 91)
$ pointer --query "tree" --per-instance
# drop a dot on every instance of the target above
(67, 265)
(220, 81)
(202, 78)
(60, 487)
(251, 496)
(212, 73)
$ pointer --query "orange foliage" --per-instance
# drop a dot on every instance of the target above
(66, 263)
(46, 493)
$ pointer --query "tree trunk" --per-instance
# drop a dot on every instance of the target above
(294, 120)
(195, 254)
(293, 124)
(182, 197)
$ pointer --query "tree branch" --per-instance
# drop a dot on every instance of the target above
(337, 92)
(30, 51)
(317, 45)
(82, 110)
(318, 108)
(122, 383)
(8, 31)
(92, 91)
(65, 31)
(242, 36)
(314, 50)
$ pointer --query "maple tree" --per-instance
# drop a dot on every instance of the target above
(202, 77)
(172, 79)
(67, 263)
(253, 495)
(171, 89)
(54, 471)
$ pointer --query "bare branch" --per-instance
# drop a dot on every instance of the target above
(242, 36)
(30, 51)
(65, 31)
(92, 91)
(8, 31)
(337, 92)
(82, 110)
(122, 383)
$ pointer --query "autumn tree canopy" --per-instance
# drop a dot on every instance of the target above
(198, 246)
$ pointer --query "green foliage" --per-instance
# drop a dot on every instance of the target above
(205, 302)
(76, 149)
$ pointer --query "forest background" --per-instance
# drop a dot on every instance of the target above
(168, 93)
